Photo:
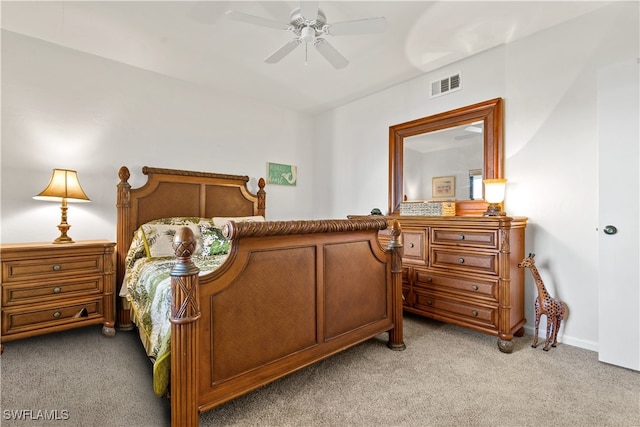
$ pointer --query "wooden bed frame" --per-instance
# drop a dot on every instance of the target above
(290, 293)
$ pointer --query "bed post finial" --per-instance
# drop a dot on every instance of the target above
(396, 340)
(262, 198)
(124, 174)
(185, 315)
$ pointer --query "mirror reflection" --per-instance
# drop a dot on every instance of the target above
(445, 164)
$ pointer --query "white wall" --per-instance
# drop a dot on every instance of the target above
(549, 83)
(65, 109)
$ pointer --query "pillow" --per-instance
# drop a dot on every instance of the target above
(220, 222)
(213, 242)
(137, 250)
(158, 234)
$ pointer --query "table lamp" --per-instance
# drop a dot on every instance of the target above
(494, 195)
(65, 187)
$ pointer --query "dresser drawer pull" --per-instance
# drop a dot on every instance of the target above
(56, 290)
(429, 279)
(474, 287)
(461, 260)
(462, 237)
(411, 245)
(474, 313)
(429, 302)
(57, 314)
(57, 267)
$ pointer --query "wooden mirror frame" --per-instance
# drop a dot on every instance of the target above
(491, 112)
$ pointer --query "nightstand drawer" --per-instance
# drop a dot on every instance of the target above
(37, 268)
(476, 262)
(22, 320)
(465, 237)
(13, 294)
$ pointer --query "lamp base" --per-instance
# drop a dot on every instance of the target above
(494, 209)
(63, 238)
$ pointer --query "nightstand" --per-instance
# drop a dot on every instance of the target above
(50, 287)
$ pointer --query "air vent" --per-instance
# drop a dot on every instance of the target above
(446, 85)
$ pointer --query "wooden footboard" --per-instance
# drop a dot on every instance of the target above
(290, 294)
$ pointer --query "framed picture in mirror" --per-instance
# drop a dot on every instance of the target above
(443, 186)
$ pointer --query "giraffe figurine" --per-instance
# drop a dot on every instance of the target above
(545, 304)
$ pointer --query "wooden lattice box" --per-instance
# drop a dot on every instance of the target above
(428, 208)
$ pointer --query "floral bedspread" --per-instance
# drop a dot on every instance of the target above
(148, 283)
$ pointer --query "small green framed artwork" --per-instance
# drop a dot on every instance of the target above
(280, 174)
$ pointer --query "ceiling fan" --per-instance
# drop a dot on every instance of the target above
(309, 24)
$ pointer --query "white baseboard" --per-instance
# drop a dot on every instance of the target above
(562, 338)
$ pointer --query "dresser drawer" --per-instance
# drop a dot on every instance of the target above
(414, 246)
(465, 237)
(471, 287)
(475, 262)
(48, 267)
(16, 321)
(444, 308)
(31, 292)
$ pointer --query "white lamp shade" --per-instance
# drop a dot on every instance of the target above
(494, 190)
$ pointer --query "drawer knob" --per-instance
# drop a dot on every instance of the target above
(429, 279)
(429, 302)
(411, 245)
(461, 260)
(56, 290)
(56, 314)
(475, 313)
(462, 237)
(57, 267)
(474, 287)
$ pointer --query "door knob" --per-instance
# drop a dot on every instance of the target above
(610, 229)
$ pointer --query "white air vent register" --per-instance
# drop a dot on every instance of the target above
(446, 85)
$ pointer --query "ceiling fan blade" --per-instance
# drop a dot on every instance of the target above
(256, 20)
(359, 26)
(286, 49)
(309, 10)
(330, 53)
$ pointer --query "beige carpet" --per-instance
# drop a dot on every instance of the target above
(447, 376)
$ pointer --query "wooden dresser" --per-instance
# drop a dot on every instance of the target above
(463, 270)
(52, 287)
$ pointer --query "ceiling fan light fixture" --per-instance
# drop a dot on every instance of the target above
(308, 34)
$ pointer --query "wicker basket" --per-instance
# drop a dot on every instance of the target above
(428, 208)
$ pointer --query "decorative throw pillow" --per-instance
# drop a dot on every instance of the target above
(213, 242)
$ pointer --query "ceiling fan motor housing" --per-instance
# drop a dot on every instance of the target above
(303, 27)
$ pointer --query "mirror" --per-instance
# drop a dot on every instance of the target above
(418, 160)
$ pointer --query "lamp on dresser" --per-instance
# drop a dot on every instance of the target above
(494, 195)
(64, 187)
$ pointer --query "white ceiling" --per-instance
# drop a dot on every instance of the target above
(197, 42)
